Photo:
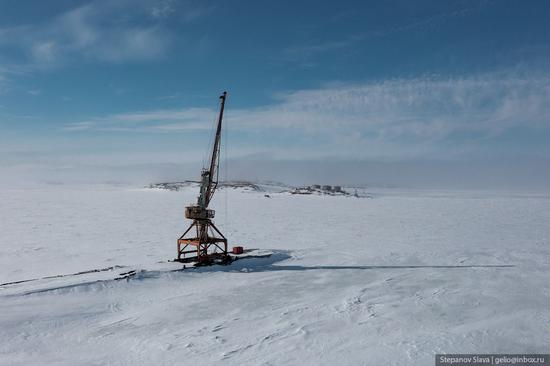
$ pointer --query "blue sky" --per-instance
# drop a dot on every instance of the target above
(87, 85)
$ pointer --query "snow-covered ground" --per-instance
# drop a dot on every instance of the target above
(389, 280)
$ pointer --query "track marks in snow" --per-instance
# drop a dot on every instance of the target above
(64, 275)
(237, 350)
(115, 327)
(217, 328)
(263, 343)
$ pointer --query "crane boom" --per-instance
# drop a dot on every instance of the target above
(209, 177)
(215, 159)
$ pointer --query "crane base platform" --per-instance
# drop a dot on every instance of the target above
(210, 259)
(224, 260)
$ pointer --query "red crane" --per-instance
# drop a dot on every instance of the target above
(207, 243)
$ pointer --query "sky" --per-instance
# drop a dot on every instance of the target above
(401, 93)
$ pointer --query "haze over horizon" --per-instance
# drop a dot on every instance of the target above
(427, 94)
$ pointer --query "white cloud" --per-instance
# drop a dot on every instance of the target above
(163, 9)
(79, 126)
(3, 83)
(95, 34)
(104, 31)
(7, 72)
(421, 108)
(401, 116)
(159, 120)
(44, 51)
(337, 126)
(34, 92)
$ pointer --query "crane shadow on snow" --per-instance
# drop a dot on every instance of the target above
(269, 263)
(265, 262)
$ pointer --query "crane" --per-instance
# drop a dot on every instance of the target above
(207, 242)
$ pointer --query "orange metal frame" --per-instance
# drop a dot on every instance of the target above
(204, 242)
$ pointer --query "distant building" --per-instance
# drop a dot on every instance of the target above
(337, 189)
(327, 188)
(316, 186)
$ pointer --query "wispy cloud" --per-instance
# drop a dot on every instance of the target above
(163, 9)
(305, 52)
(98, 31)
(79, 126)
(3, 83)
(149, 121)
(416, 112)
(7, 73)
(34, 92)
